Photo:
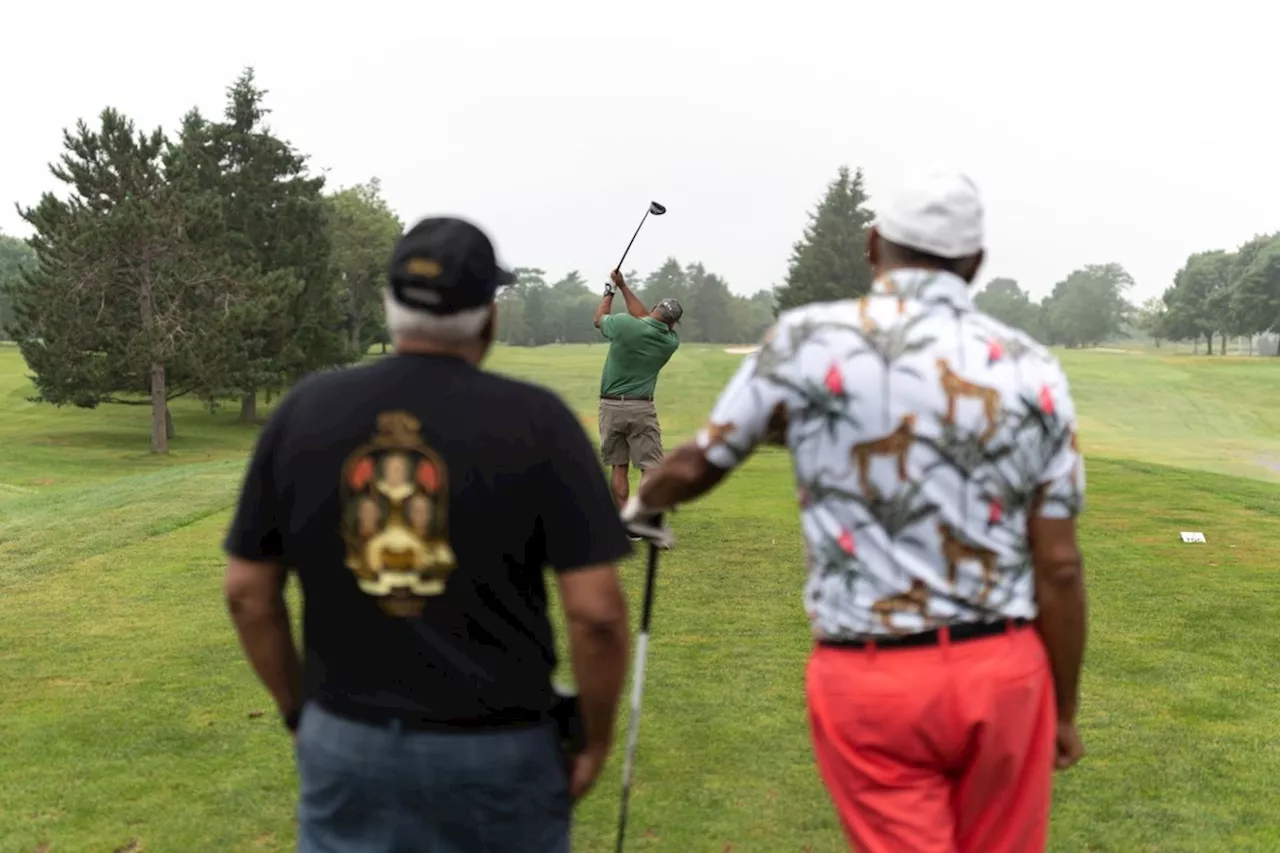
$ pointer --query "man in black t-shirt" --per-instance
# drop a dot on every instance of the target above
(419, 499)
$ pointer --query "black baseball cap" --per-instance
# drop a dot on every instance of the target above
(445, 265)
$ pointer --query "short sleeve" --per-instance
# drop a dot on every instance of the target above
(255, 528)
(610, 325)
(1061, 480)
(754, 406)
(579, 520)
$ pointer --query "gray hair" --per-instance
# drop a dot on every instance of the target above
(463, 327)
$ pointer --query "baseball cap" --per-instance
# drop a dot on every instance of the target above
(445, 265)
(670, 308)
(938, 213)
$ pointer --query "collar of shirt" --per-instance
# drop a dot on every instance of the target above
(926, 286)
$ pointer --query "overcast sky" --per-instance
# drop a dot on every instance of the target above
(1117, 131)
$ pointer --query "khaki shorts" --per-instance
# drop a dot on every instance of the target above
(629, 432)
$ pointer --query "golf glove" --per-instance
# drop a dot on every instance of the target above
(609, 288)
(647, 523)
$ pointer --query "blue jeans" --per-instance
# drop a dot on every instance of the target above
(379, 789)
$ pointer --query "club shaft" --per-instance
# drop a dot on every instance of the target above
(633, 239)
(637, 692)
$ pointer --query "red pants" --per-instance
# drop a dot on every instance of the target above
(939, 749)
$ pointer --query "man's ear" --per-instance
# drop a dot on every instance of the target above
(969, 269)
(490, 330)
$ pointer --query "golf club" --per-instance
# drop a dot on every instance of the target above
(637, 684)
(654, 208)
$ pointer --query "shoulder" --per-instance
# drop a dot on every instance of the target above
(621, 321)
(1034, 359)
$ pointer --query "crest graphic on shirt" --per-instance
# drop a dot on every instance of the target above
(395, 502)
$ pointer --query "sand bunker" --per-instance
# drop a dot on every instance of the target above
(741, 350)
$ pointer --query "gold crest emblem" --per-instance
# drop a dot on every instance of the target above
(425, 267)
(395, 503)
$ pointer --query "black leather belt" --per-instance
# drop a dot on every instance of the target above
(957, 634)
(624, 399)
(389, 719)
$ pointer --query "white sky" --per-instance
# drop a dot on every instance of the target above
(1117, 131)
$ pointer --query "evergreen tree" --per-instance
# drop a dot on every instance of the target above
(668, 280)
(114, 308)
(830, 261)
(15, 255)
(277, 233)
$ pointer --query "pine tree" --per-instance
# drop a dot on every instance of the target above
(830, 261)
(277, 233)
(668, 280)
(15, 254)
(114, 308)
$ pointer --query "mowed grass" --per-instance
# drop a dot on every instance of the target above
(127, 715)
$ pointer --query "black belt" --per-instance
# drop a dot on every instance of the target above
(956, 633)
(648, 399)
(387, 718)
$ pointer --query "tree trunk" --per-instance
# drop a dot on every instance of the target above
(169, 432)
(249, 407)
(1209, 340)
(159, 410)
(355, 336)
(1224, 344)
(1250, 344)
(384, 347)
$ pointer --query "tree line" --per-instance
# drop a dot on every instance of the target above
(215, 263)
(1220, 294)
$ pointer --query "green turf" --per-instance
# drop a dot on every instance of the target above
(128, 715)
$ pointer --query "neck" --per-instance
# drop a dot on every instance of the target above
(472, 353)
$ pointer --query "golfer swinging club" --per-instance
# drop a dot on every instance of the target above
(641, 342)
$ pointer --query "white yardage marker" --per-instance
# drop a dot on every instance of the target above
(1188, 536)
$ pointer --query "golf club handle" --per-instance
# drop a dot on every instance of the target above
(650, 582)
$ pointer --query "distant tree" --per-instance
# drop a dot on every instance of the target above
(1149, 318)
(118, 307)
(708, 307)
(1201, 295)
(1088, 306)
(570, 307)
(1004, 300)
(15, 255)
(667, 281)
(1255, 285)
(363, 230)
(829, 262)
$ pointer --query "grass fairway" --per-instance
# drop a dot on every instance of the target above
(128, 715)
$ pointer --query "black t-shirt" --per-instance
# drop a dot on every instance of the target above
(419, 499)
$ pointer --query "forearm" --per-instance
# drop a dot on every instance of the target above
(685, 475)
(1062, 625)
(634, 306)
(266, 636)
(599, 655)
(603, 309)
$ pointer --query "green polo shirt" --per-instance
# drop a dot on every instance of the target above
(638, 349)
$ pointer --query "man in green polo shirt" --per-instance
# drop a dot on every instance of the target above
(641, 342)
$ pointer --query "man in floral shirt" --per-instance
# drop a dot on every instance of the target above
(939, 484)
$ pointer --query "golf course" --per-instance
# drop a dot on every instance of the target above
(130, 721)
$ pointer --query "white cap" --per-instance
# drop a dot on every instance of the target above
(938, 213)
